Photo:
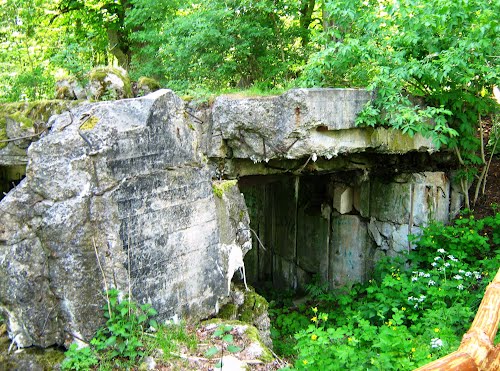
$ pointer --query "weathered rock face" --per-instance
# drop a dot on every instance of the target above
(119, 184)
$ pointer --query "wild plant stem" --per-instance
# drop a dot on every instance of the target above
(103, 276)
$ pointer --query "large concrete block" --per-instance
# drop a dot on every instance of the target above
(128, 190)
(351, 252)
(302, 123)
(411, 198)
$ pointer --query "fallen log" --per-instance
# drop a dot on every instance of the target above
(477, 351)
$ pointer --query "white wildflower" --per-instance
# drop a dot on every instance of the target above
(437, 258)
(460, 287)
(446, 264)
(467, 274)
(457, 277)
(427, 275)
(434, 264)
(462, 271)
(413, 279)
(436, 343)
(442, 251)
(432, 283)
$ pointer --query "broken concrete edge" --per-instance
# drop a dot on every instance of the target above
(298, 123)
(107, 185)
(301, 123)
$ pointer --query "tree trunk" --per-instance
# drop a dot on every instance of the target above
(306, 12)
(119, 48)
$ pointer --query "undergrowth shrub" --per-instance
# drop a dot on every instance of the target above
(120, 341)
(414, 309)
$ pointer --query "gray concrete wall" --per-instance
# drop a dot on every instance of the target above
(336, 226)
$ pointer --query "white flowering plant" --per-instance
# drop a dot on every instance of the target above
(414, 309)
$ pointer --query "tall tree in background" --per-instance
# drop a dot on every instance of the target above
(232, 43)
(100, 23)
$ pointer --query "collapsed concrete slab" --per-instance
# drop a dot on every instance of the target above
(116, 195)
(134, 193)
(303, 122)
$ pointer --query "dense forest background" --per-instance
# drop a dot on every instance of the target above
(432, 63)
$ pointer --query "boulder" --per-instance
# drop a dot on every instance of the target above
(115, 196)
(108, 83)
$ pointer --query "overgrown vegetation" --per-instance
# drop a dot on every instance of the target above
(411, 312)
(128, 335)
(431, 64)
(223, 332)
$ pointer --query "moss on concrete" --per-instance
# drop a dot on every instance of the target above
(100, 74)
(29, 113)
(148, 82)
(3, 134)
(220, 187)
(253, 335)
(46, 359)
(253, 306)
(23, 120)
(228, 312)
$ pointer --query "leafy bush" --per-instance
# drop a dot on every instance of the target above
(411, 312)
(125, 326)
(119, 339)
(430, 64)
(79, 358)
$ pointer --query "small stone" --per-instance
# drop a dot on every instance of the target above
(147, 364)
(231, 363)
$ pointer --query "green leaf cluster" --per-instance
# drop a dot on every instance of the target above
(120, 340)
(431, 64)
(411, 312)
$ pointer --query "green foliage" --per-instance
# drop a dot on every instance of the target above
(24, 72)
(221, 187)
(125, 326)
(217, 44)
(120, 340)
(79, 358)
(430, 63)
(412, 311)
(223, 332)
(285, 323)
(170, 338)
